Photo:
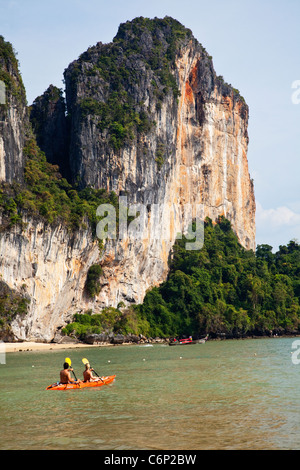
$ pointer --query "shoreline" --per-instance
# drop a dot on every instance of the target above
(36, 346)
(33, 346)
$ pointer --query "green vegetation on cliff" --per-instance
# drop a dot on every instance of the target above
(160, 53)
(224, 289)
(110, 320)
(9, 72)
(92, 285)
(143, 49)
(48, 197)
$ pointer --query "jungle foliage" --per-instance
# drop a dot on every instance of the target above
(47, 196)
(110, 320)
(226, 290)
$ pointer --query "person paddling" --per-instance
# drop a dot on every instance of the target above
(88, 374)
(65, 376)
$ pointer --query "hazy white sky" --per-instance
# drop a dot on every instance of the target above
(255, 45)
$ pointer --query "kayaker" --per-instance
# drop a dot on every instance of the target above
(65, 376)
(88, 374)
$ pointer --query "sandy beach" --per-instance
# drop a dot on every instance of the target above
(33, 346)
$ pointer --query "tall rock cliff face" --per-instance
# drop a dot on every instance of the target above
(13, 116)
(50, 264)
(149, 119)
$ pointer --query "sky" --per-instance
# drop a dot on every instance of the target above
(255, 46)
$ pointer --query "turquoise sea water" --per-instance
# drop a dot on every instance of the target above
(239, 394)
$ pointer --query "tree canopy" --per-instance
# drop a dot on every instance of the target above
(224, 289)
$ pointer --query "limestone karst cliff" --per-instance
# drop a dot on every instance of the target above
(50, 264)
(148, 118)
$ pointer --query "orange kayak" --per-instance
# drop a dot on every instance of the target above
(105, 381)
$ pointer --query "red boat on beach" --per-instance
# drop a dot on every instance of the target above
(177, 342)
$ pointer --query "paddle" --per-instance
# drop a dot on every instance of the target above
(68, 361)
(86, 361)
